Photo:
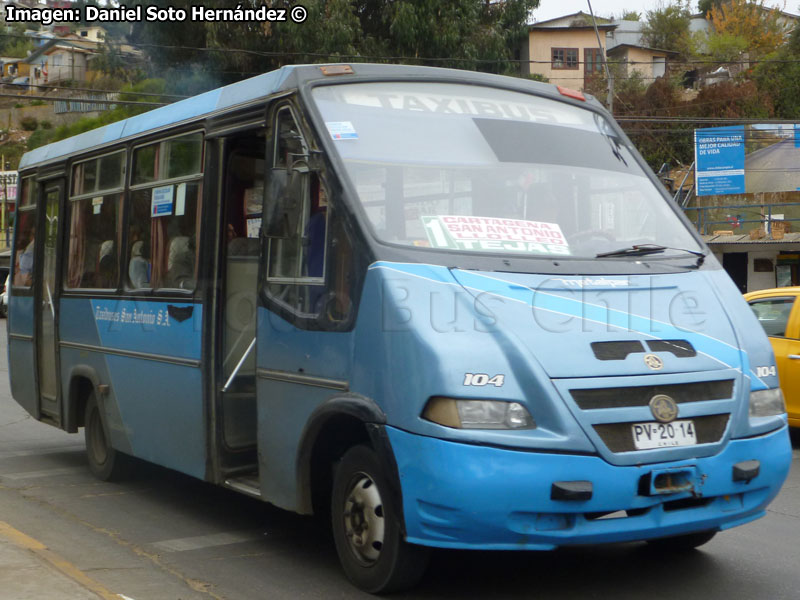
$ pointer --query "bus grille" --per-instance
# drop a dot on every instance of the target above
(626, 397)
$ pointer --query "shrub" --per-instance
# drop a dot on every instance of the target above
(29, 123)
(45, 124)
(40, 137)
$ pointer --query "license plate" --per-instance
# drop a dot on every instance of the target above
(647, 436)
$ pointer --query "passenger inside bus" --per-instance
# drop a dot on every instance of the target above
(139, 267)
(315, 230)
(24, 274)
(181, 263)
(106, 266)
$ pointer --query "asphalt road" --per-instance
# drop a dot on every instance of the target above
(775, 168)
(164, 536)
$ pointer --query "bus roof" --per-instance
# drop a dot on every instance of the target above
(249, 90)
(172, 114)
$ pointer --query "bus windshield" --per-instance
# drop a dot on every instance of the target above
(478, 169)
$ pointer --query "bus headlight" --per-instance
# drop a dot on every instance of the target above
(767, 403)
(478, 414)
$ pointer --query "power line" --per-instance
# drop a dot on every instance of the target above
(362, 57)
(94, 91)
(89, 100)
(743, 121)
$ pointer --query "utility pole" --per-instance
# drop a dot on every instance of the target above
(4, 216)
(610, 99)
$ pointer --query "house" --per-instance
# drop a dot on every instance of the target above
(565, 49)
(65, 63)
(95, 33)
(39, 37)
(14, 67)
(59, 60)
(626, 48)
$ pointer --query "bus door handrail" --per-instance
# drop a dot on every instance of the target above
(239, 365)
(50, 300)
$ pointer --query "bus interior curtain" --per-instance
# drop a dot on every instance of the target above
(77, 245)
(159, 251)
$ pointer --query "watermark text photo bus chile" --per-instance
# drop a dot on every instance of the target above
(451, 309)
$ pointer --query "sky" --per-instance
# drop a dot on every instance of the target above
(550, 9)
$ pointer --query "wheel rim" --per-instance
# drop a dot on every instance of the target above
(364, 523)
(97, 438)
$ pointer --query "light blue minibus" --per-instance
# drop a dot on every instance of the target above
(450, 309)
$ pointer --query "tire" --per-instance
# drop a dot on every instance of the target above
(366, 527)
(105, 463)
(683, 542)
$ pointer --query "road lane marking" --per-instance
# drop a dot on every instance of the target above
(26, 542)
(207, 541)
(43, 473)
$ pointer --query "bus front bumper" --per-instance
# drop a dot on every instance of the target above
(458, 495)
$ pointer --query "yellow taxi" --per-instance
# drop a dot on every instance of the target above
(779, 314)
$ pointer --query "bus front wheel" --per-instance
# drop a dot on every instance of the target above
(366, 527)
(105, 463)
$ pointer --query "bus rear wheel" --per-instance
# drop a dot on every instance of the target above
(105, 463)
(366, 527)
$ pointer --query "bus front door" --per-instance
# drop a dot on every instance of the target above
(47, 318)
(242, 193)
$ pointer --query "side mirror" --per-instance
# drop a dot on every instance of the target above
(283, 197)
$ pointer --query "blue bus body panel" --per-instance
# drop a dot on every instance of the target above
(465, 496)
(422, 327)
(283, 408)
(154, 408)
(439, 324)
(21, 353)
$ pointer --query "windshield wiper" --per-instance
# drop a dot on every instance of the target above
(644, 249)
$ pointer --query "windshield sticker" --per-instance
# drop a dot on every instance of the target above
(341, 130)
(489, 234)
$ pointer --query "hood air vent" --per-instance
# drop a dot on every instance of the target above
(620, 350)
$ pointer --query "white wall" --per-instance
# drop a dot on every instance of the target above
(757, 281)
(760, 281)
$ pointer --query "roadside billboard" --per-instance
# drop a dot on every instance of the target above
(747, 158)
(8, 186)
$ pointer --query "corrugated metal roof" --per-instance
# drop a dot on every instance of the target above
(744, 238)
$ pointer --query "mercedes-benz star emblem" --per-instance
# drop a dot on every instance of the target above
(652, 361)
(664, 408)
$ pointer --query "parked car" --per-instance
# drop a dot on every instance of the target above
(778, 312)
(4, 298)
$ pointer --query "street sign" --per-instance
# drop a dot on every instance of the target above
(8, 186)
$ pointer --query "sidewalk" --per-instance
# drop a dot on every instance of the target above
(30, 571)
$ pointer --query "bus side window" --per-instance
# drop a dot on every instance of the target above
(164, 218)
(26, 235)
(300, 280)
(94, 212)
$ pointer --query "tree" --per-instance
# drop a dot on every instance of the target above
(779, 76)
(667, 28)
(631, 15)
(758, 28)
(471, 34)
(705, 6)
